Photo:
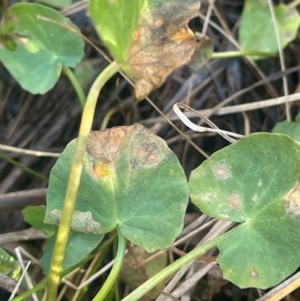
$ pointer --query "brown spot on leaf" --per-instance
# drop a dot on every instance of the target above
(159, 22)
(161, 43)
(153, 157)
(141, 153)
(234, 200)
(147, 149)
(221, 170)
(104, 145)
(292, 202)
(148, 153)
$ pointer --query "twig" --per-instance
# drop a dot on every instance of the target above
(27, 151)
(201, 129)
(281, 58)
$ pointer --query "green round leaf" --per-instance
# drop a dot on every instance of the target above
(254, 182)
(257, 31)
(130, 180)
(41, 40)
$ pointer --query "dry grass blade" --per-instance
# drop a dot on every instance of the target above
(281, 58)
(27, 152)
(233, 109)
(219, 228)
(23, 235)
(75, 7)
(283, 289)
(14, 201)
(17, 286)
(201, 129)
(9, 283)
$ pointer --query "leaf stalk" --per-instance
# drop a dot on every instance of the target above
(114, 273)
(76, 85)
(241, 53)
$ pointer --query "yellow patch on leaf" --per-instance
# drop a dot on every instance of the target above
(101, 169)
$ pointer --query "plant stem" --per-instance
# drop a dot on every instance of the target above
(76, 85)
(232, 54)
(114, 273)
(171, 269)
(107, 117)
(74, 180)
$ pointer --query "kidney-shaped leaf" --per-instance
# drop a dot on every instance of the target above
(150, 37)
(130, 180)
(257, 31)
(254, 182)
(35, 42)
